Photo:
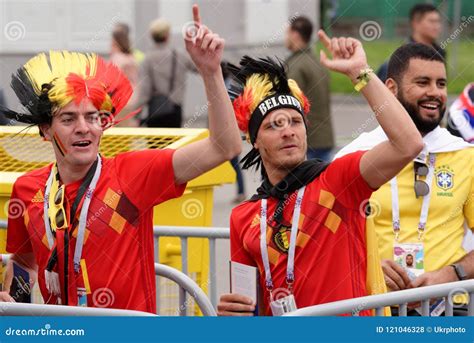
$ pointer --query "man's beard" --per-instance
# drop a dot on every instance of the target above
(423, 125)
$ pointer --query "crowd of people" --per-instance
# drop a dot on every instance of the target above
(304, 229)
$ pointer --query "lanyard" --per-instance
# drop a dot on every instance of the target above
(290, 276)
(424, 206)
(82, 217)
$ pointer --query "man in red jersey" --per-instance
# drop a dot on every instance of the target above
(304, 229)
(86, 221)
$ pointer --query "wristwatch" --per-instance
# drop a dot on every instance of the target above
(459, 270)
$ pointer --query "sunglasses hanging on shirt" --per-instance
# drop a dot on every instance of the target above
(421, 187)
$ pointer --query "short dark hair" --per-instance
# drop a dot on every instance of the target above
(123, 42)
(303, 26)
(400, 59)
(419, 10)
(159, 38)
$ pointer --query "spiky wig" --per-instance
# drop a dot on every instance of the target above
(48, 83)
(262, 86)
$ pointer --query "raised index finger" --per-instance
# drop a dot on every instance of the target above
(196, 16)
(325, 39)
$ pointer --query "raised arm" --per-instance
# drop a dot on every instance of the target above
(224, 140)
(385, 160)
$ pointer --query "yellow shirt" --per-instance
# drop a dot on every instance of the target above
(452, 202)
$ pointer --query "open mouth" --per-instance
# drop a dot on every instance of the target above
(430, 105)
(82, 144)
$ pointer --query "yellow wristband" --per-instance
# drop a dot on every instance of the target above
(364, 78)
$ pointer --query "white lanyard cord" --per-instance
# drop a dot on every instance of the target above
(82, 217)
(424, 206)
(290, 276)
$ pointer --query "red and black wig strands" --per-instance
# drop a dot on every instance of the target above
(257, 82)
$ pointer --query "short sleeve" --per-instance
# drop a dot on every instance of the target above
(18, 239)
(344, 180)
(237, 249)
(147, 176)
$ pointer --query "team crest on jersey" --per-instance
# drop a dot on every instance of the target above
(281, 235)
(444, 180)
(281, 238)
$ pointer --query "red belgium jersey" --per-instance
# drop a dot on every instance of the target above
(330, 256)
(118, 246)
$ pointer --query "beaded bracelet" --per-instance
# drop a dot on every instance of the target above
(363, 78)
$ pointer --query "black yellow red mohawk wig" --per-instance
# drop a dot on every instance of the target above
(50, 82)
(262, 87)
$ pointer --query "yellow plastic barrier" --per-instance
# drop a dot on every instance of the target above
(22, 151)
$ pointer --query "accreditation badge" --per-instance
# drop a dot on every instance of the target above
(283, 305)
(411, 257)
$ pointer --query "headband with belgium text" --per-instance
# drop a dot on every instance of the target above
(268, 105)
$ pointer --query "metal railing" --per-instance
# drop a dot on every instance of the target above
(39, 310)
(401, 298)
(185, 283)
(185, 232)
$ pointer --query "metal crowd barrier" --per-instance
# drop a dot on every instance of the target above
(185, 283)
(40, 310)
(401, 298)
(185, 232)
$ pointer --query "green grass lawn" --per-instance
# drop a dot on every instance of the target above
(379, 51)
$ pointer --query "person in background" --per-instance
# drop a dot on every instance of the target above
(461, 115)
(305, 69)
(425, 25)
(121, 55)
(137, 53)
(161, 83)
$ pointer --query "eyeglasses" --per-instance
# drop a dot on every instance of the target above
(59, 220)
(421, 187)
